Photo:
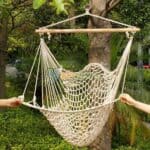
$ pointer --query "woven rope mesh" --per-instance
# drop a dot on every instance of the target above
(89, 88)
(85, 92)
(78, 107)
(79, 128)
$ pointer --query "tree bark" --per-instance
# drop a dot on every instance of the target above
(99, 51)
(3, 47)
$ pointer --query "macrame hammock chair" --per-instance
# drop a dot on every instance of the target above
(77, 107)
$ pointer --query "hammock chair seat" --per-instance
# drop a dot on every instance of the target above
(79, 128)
(78, 117)
(78, 104)
(77, 107)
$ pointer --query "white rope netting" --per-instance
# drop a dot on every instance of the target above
(77, 107)
(79, 128)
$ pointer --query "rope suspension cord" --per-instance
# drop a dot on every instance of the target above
(128, 28)
(36, 82)
(63, 21)
(125, 74)
(33, 65)
(122, 65)
(110, 20)
(129, 36)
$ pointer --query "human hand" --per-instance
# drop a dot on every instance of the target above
(14, 102)
(127, 99)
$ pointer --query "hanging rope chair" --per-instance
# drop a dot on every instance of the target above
(77, 107)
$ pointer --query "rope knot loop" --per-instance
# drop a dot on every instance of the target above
(49, 36)
(129, 34)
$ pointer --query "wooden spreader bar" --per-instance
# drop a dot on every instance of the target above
(96, 30)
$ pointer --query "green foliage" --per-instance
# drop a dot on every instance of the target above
(135, 13)
(129, 120)
(16, 43)
(11, 90)
(70, 50)
(130, 127)
(146, 78)
(142, 144)
(80, 4)
(38, 3)
(61, 5)
(132, 77)
(1, 2)
(125, 148)
(24, 128)
(3, 10)
(117, 44)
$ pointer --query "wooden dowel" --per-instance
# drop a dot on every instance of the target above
(134, 29)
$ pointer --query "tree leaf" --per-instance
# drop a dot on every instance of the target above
(71, 1)
(60, 5)
(38, 3)
(1, 2)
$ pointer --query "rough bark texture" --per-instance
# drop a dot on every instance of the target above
(99, 43)
(100, 52)
(3, 47)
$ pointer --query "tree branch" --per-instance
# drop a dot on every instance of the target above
(111, 4)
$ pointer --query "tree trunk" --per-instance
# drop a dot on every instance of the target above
(3, 47)
(99, 43)
(100, 52)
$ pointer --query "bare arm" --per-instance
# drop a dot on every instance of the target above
(11, 102)
(125, 98)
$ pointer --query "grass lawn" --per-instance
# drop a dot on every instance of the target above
(26, 129)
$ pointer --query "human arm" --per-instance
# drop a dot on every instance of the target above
(126, 98)
(10, 102)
